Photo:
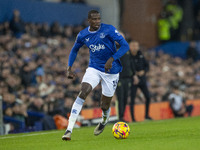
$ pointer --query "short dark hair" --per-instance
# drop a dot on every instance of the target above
(92, 12)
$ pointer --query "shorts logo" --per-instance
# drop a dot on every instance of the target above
(74, 111)
(102, 35)
(115, 84)
(94, 48)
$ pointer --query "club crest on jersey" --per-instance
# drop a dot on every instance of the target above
(94, 48)
(102, 35)
(87, 39)
(115, 84)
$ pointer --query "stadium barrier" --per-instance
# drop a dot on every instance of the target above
(45, 12)
(158, 111)
(175, 49)
(19, 124)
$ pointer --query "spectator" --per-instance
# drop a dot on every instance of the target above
(169, 21)
(6, 28)
(20, 112)
(8, 100)
(25, 74)
(55, 29)
(39, 71)
(68, 32)
(175, 17)
(37, 105)
(17, 24)
(44, 30)
(178, 104)
(164, 26)
(192, 53)
(8, 112)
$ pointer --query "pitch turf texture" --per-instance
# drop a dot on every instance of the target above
(174, 134)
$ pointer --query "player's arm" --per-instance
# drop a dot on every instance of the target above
(124, 47)
(72, 57)
(108, 64)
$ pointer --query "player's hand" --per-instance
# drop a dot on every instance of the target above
(108, 64)
(136, 80)
(70, 74)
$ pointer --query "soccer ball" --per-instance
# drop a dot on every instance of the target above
(121, 130)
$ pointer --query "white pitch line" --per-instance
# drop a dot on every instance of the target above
(8, 137)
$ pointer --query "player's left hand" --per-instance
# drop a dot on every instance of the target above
(70, 74)
(108, 64)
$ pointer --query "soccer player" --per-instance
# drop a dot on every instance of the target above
(104, 66)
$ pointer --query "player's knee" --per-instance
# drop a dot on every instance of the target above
(85, 90)
(83, 94)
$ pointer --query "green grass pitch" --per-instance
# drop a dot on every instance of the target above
(173, 134)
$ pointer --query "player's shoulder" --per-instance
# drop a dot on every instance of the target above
(107, 26)
(83, 32)
(109, 29)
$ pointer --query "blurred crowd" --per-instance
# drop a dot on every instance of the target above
(33, 61)
(166, 72)
(179, 20)
(169, 21)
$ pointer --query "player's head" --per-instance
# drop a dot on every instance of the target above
(134, 47)
(94, 19)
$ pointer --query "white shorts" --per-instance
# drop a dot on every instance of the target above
(108, 81)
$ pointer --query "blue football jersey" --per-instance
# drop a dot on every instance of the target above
(101, 44)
